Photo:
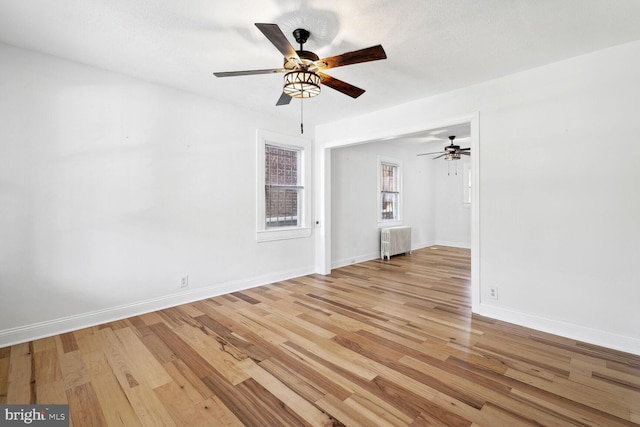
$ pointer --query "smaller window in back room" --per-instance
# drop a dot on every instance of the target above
(389, 191)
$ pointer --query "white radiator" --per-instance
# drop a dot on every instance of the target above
(395, 240)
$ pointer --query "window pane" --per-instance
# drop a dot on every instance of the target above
(281, 166)
(388, 177)
(389, 205)
(282, 207)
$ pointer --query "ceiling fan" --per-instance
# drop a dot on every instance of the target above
(451, 151)
(304, 69)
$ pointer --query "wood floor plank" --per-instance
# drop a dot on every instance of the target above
(349, 382)
(148, 407)
(117, 408)
(52, 393)
(293, 380)
(379, 343)
(344, 413)
(19, 375)
(149, 369)
(88, 340)
(373, 412)
(84, 408)
(212, 412)
(297, 403)
(213, 352)
(188, 382)
(4, 379)
(74, 371)
(68, 342)
(325, 348)
(293, 365)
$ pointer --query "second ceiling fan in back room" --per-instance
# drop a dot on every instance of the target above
(451, 152)
(304, 69)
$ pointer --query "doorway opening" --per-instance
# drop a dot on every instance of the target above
(328, 185)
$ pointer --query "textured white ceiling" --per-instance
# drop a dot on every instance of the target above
(432, 46)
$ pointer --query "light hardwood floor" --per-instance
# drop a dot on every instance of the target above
(381, 343)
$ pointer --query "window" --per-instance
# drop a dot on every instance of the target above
(283, 203)
(282, 189)
(389, 190)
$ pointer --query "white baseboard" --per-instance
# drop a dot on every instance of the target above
(354, 260)
(368, 257)
(564, 329)
(464, 245)
(48, 328)
(416, 246)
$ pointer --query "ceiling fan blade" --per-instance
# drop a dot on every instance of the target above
(464, 149)
(428, 154)
(437, 157)
(277, 37)
(248, 72)
(340, 86)
(373, 53)
(465, 153)
(284, 99)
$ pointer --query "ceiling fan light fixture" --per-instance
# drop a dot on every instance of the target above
(301, 84)
(452, 156)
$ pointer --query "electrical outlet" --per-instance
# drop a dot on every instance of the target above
(493, 293)
(184, 282)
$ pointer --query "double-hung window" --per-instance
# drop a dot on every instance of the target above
(283, 187)
(389, 186)
(283, 206)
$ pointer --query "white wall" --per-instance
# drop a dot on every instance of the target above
(452, 217)
(112, 189)
(559, 206)
(354, 200)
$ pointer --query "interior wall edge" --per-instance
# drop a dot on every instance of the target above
(21, 334)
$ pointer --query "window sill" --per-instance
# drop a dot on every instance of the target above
(283, 234)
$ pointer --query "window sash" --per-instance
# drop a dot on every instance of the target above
(389, 178)
(389, 205)
(282, 206)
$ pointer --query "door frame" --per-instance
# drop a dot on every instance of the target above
(322, 184)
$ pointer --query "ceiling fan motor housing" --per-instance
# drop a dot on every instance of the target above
(307, 58)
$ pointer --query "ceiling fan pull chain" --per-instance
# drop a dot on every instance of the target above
(301, 120)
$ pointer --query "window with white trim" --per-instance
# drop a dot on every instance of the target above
(283, 204)
(389, 190)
